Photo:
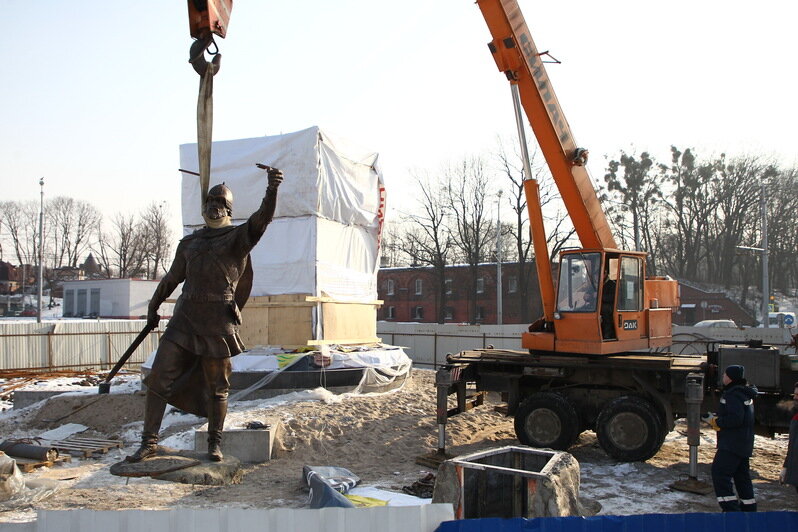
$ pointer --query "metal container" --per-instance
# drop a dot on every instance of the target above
(761, 364)
(510, 481)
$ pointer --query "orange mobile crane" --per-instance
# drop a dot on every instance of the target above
(586, 363)
(604, 303)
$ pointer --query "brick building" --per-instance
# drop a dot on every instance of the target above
(412, 294)
(698, 305)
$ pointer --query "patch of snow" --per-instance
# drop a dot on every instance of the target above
(182, 440)
(63, 432)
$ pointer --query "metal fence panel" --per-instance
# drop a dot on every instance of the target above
(71, 344)
(424, 518)
(428, 343)
(698, 522)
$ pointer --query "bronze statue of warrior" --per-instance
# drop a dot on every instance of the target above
(192, 364)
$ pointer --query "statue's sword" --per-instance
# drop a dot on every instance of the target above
(105, 386)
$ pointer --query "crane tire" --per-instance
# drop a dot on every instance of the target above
(630, 429)
(547, 420)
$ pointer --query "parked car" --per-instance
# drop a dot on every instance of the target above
(726, 324)
(29, 312)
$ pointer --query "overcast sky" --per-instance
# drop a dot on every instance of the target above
(97, 95)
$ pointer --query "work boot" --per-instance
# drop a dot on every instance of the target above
(215, 448)
(217, 411)
(154, 408)
(149, 447)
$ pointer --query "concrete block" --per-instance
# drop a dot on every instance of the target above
(23, 398)
(513, 481)
(248, 445)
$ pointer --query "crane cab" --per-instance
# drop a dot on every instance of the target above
(605, 305)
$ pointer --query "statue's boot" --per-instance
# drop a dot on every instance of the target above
(154, 408)
(216, 414)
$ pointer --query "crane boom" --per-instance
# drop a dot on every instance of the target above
(517, 56)
(603, 303)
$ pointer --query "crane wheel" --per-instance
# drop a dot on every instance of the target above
(630, 429)
(547, 420)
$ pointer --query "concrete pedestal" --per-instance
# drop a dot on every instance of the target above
(248, 445)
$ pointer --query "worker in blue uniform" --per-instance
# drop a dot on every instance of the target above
(734, 423)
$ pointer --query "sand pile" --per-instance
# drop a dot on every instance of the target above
(377, 437)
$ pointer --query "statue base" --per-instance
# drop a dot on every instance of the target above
(187, 467)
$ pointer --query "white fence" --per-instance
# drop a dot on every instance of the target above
(72, 344)
(427, 344)
(98, 344)
(424, 518)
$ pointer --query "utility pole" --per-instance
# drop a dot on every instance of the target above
(764, 251)
(41, 251)
(765, 284)
(499, 302)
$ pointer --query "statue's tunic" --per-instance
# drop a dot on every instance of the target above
(206, 317)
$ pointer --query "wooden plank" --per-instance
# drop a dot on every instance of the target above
(324, 299)
(85, 447)
(254, 328)
(352, 321)
(288, 320)
(290, 325)
(346, 341)
(273, 304)
(82, 439)
(26, 465)
(278, 320)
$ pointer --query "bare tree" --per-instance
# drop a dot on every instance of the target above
(691, 208)
(122, 249)
(429, 239)
(559, 228)
(782, 196)
(636, 192)
(21, 222)
(468, 186)
(391, 246)
(73, 222)
(157, 238)
(736, 191)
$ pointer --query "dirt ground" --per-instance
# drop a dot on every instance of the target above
(378, 437)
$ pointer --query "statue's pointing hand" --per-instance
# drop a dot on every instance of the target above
(275, 175)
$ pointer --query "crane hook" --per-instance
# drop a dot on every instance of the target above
(196, 54)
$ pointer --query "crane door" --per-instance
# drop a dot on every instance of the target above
(629, 312)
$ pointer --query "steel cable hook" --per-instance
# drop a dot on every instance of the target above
(197, 54)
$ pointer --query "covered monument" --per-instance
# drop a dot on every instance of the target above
(321, 250)
(315, 268)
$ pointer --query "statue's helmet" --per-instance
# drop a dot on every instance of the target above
(222, 192)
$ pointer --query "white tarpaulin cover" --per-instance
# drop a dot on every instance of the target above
(266, 359)
(325, 235)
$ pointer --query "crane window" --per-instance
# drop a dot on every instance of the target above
(629, 288)
(579, 282)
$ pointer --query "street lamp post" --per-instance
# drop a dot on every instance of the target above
(499, 305)
(765, 284)
(764, 251)
(41, 251)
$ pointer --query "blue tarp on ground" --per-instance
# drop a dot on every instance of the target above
(715, 522)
